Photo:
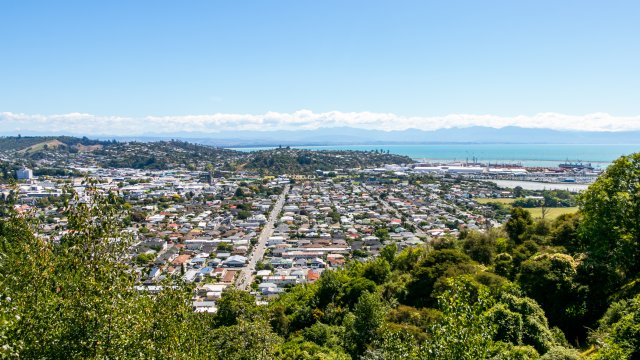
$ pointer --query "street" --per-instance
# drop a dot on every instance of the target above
(245, 278)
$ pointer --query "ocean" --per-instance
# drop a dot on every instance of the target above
(549, 155)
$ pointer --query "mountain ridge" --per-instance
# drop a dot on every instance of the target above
(355, 136)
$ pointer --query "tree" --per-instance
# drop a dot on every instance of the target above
(517, 191)
(243, 214)
(517, 224)
(389, 252)
(377, 270)
(436, 266)
(618, 333)
(77, 299)
(550, 279)
(408, 258)
(369, 317)
(481, 247)
(245, 340)
(610, 229)
(463, 332)
(235, 305)
(329, 286)
(382, 233)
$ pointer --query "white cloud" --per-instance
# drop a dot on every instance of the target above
(80, 123)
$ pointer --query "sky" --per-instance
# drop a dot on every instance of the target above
(126, 67)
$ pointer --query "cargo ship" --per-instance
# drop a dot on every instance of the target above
(578, 165)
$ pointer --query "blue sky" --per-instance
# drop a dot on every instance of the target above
(412, 59)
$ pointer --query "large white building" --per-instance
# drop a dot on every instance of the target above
(24, 174)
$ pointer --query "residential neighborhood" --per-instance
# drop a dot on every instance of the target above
(265, 234)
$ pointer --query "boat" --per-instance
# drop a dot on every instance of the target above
(578, 165)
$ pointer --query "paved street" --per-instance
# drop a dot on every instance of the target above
(245, 278)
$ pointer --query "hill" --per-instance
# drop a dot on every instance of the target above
(65, 151)
(298, 161)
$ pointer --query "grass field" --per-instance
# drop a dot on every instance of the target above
(552, 213)
(39, 146)
(504, 201)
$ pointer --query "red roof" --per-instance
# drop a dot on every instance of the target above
(312, 276)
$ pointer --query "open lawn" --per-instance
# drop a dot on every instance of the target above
(552, 213)
(504, 201)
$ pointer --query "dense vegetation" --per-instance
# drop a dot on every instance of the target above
(532, 289)
(550, 198)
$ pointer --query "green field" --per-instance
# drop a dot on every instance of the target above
(504, 201)
(552, 213)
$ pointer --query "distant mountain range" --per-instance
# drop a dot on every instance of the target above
(353, 136)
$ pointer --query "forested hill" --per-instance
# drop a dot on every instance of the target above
(63, 151)
(295, 161)
(165, 155)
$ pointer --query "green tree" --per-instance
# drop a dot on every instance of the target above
(610, 229)
(389, 252)
(367, 323)
(436, 266)
(377, 270)
(382, 233)
(245, 340)
(481, 247)
(550, 279)
(77, 299)
(517, 224)
(618, 333)
(236, 305)
(463, 333)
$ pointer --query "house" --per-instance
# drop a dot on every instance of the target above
(235, 261)
(263, 273)
(282, 280)
(205, 306)
(312, 276)
(228, 277)
(269, 288)
(180, 260)
(317, 263)
(335, 260)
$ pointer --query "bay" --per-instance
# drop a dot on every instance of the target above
(549, 155)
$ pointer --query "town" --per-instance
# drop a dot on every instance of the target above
(267, 233)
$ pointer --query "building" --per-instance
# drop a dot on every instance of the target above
(24, 174)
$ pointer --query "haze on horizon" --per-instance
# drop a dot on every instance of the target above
(132, 68)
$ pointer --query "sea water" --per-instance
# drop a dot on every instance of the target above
(549, 155)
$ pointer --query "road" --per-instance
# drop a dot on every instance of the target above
(245, 278)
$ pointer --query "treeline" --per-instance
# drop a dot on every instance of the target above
(532, 289)
(7, 171)
(548, 198)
